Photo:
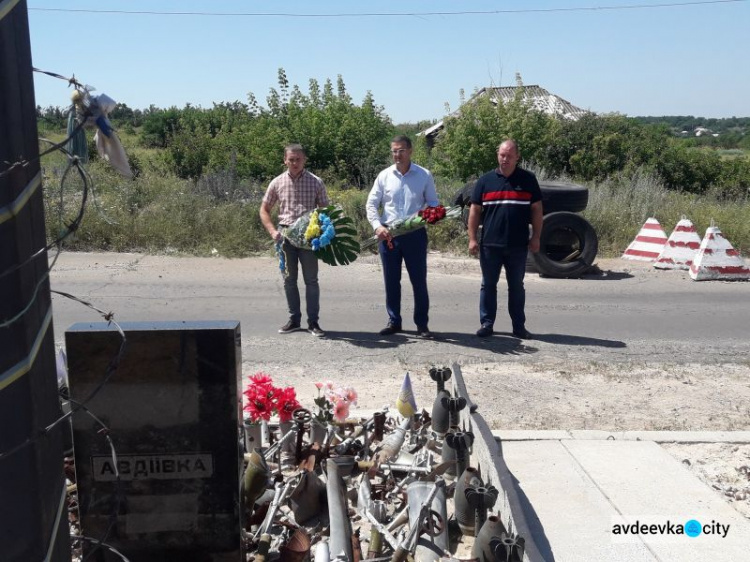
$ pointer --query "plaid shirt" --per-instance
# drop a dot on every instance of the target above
(295, 197)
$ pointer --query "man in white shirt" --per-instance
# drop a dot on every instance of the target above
(402, 190)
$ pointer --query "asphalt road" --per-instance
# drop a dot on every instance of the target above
(627, 312)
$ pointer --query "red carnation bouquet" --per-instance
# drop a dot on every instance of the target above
(428, 215)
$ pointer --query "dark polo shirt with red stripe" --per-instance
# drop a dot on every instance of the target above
(506, 207)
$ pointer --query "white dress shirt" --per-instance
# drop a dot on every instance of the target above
(400, 195)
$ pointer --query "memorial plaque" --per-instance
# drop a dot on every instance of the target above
(172, 407)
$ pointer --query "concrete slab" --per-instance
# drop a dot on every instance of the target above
(689, 436)
(568, 511)
(580, 489)
(657, 436)
(666, 436)
(531, 435)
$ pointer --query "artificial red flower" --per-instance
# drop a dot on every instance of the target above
(431, 215)
(286, 403)
(261, 379)
(259, 409)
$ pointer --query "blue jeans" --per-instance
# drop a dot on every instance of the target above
(309, 262)
(492, 260)
(411, 249)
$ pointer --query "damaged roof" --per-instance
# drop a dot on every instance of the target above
(536, 96)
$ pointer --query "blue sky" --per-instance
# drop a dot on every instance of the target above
(684, 60)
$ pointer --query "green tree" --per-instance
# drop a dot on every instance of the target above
(468, 144)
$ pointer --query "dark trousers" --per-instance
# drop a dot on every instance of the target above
(492, 260)
(410, 249)
(296, 257)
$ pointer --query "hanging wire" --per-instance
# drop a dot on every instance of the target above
(110, 370)
(21, 162)
(70, 229)
(76, 406)
(119, 493)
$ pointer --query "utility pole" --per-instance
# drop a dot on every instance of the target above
(33, 506)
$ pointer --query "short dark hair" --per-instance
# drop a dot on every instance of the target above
(402, 139)
(295, 147)
(510, 141)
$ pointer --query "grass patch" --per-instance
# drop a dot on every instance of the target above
(157, 212)
(619, 206)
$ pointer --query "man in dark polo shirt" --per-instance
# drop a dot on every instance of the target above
(505, 201)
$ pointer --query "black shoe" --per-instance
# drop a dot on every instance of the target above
(485, 331)
(390, 329)
(315, 330)
(289, 327)
(424, 332)
(523, 334)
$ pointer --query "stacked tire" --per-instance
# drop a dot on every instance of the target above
(568, 244)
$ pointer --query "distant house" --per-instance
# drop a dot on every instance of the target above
(536, 96)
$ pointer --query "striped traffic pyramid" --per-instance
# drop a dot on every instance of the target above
(717, 259)
(648, 244)
(681, 247)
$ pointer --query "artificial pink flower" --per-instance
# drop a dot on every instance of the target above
(350, 395)
(318, 385)
(341, 410)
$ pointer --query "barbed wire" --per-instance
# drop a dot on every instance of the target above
(70, 229)
(76, 405)
(22, 162)
(119, 493)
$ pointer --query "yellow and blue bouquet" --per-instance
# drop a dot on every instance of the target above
(327, 232)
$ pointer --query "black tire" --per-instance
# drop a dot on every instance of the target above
(561, 196)
(567, 247)
(556, 197)
(463, 198)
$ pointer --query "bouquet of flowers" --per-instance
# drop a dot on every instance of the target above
(264, 399)
(325, 231)
(428, 215)
(333, 403)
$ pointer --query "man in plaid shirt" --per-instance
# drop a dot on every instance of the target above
(296, 192)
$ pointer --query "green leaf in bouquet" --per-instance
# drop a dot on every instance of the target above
(341, 255)
(345, 230)
(326, 255)
(349, 244)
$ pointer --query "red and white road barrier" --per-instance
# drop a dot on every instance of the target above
(717, 259)
(648, 244)
(681, 247)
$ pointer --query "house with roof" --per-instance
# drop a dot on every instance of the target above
(535, 96)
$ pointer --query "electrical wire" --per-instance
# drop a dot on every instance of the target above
(394, 14)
